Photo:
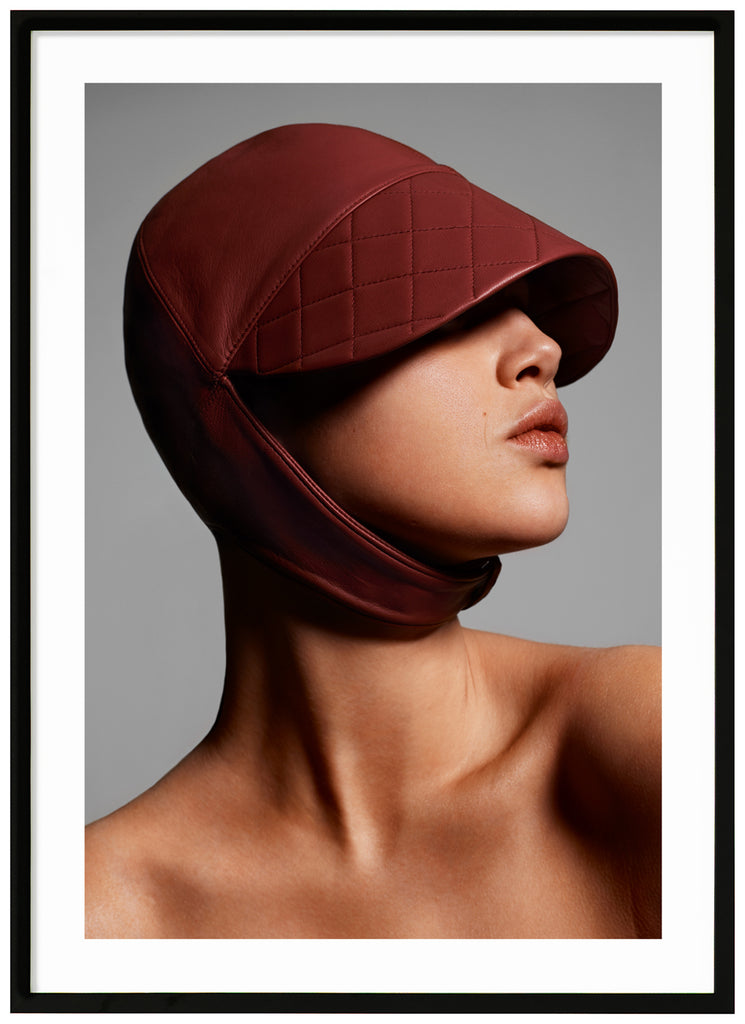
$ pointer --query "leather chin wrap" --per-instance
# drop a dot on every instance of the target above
(315, 246)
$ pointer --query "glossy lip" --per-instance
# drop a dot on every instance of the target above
(549, 415)
(543, 430)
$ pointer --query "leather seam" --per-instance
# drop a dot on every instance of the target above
(418, 230)
(429, 192)
(445, 227)
(537, 242)
(167, 306)
(407, 173)
(366, 334)
(396, 277)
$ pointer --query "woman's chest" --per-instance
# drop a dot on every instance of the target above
(526, 877)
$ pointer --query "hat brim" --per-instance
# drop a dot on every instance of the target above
(414, 256)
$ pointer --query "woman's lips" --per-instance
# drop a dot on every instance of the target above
(543, 431)
(548, 443)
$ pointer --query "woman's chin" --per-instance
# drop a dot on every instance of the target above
(447, 535)
(460, 549)
(536, 531)
(533, 540)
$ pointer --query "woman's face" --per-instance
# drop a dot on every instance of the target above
(435, 450)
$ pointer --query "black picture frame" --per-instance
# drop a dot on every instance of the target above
(23, 25)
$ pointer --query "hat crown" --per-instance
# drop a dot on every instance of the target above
(221, 243)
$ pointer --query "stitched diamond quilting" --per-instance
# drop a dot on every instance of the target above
(383, 305)
(375, 259)
(327, 323)
(277, 343)
(437, 294)
(384, 214)
(435, 207)
(500, 244)
(286, 301)
(396, 266)
(326, 270)
(441, 249)
(341, 233)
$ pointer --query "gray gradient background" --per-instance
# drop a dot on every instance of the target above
(584, 158)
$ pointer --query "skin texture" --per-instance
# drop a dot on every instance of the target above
(365, 780)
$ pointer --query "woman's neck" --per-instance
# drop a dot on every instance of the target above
(351, 721)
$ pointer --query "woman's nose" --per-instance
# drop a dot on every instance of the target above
(527, 353)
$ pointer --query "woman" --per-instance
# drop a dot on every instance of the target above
(348, 356)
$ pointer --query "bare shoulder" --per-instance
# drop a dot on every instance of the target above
(611, 766)
(129, 859)
(118, 903)
(603, 709)
(616, 708)
(152, 866)
(597, 713)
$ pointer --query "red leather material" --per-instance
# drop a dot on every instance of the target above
(408, 260)
(245, 219)
(313, 246)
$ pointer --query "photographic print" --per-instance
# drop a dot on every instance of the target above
(374, 658)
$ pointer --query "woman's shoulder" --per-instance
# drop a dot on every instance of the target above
(115, 906)
(132, 857)
(611, 767)
(614, 698)
(124, 854)
(604, 704)
(596, 716)
(152, 866)
(612, 689)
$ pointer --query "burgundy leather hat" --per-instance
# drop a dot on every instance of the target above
(314, 246)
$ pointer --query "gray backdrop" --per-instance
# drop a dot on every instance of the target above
(584, 158)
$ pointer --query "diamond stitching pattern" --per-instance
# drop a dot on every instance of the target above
(406, 231)
(376, 253)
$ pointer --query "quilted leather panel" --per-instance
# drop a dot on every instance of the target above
(220, 243)
(395, 267)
